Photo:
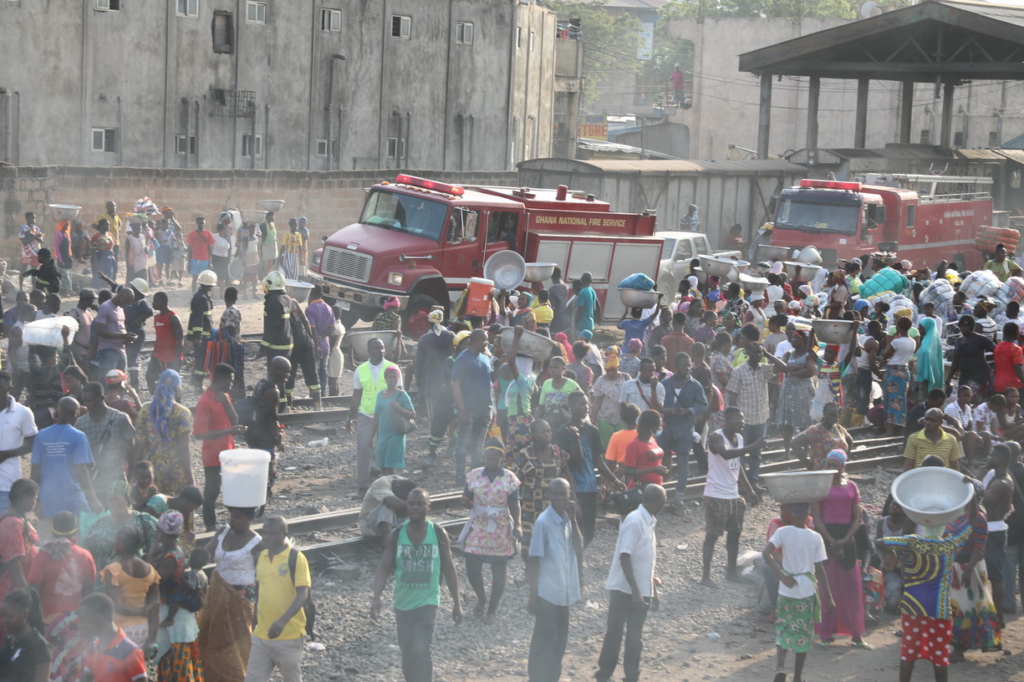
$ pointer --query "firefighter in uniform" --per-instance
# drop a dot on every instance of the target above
(304, 353)
(199, 324)
(277, 328)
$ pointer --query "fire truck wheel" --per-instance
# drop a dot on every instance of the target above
(415, 317)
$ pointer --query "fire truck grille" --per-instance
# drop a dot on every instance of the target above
(346, 264)
(828, 257)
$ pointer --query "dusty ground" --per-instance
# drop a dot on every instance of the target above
(678, 647)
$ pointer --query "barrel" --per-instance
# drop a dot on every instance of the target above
(478, 302)
(244, 476)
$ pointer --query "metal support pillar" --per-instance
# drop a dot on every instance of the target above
(812, 113)
(906, 112)
(764, 119)
(947, 115)
(860, 131)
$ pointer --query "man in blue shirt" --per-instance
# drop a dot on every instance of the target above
(685, 400)
(586, 301)
(471, 388)
(61, 459)
(635, 327)
(554, 577)
(581, 440)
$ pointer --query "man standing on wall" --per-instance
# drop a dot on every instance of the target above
(115, 230)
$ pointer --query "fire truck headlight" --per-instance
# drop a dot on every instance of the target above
(395, 278)
(316, 260)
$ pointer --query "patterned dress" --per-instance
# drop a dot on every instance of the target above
(489, 533)
(975, 623)
(796, 395)
(534, 477)
(178, 651)
(167, 471)
(821, 441)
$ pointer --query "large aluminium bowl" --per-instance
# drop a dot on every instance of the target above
(65, 211)
(798, 487)
(753, 285)
(836, 332)
(772, 252)
(360, 341)
(932, 496)
(272, 205)
(800, 272)
(634, 298)
(739, 267)
(540, 272)
(531, 344)
(298, 290)
(715, 266)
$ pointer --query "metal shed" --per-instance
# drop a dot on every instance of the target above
(726, 192)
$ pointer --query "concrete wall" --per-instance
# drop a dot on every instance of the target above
(147, 72)
(725, 101)
(330, 200)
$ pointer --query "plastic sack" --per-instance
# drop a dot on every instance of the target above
(980, 283)
(638, 281)
(940, 294)
(884, 280)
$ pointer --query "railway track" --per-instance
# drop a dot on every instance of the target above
(876, 452)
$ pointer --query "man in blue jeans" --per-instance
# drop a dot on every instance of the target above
(685, 400)
(109, 329)
(471, 388)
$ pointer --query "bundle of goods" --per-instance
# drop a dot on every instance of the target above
(989, 238)
(1012, 290)
(882, 281)
(940, 294)
(146, 206)
(638, 281)
(980, 283)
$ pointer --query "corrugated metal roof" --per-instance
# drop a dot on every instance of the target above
(977, 154)
(1008, 14)
(683, 167)
(1016, 155)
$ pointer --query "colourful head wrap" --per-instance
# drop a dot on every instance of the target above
(586, 335)
(861, 304)
(391, 302)
(436, 316)
(836, 455)
(392, 369)
(162, 404)
(115, 376)
(904, 312)
(120, 488)
(611, 357)
(635, 345)
(171, 522)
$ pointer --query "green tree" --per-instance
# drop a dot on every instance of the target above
(610, 41)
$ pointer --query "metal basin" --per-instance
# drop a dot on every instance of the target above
(835, 332)
(753, 285)
(932, 496)
(298, 290)
(800, 272)
(539, 272)
(273, 205)
(531, 344)
(65, 211)
(772, 253)
(716, 267)
(359, 341)
(798, 487)
(634, 298)
(739, 267)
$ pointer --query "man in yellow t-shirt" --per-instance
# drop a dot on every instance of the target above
(115, 229)
(543, 312)
(277, 639)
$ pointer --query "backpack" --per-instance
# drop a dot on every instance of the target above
(309, 607)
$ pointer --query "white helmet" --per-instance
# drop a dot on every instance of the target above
(208, 278)
(274, 281)
(140, 285)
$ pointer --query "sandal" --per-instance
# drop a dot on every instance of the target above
(862, 645)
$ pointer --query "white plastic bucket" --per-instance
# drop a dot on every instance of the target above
(244, 476)
(47, 332)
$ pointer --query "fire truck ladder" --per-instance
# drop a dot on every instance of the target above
(952, 187)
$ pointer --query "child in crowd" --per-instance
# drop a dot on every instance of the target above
(615, 453)
(771, 581)
(543, 312)
(799, 607)
(144, 496)
(188, 591)
(830, 389)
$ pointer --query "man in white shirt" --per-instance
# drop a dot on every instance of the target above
(17, 434)
(631, 587)
(554, 576)
(646, 392)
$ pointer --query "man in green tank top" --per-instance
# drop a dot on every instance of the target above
(418, 552)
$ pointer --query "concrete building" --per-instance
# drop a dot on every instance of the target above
(723, 119)
(303, 85)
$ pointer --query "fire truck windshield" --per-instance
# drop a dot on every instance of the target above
(412, 215)
(817, 216)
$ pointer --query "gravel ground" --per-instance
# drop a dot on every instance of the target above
(677, 643)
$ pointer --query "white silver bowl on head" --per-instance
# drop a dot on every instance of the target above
(298, 290)
(739, 267)
(796, 487)
(800, 272)
(753, 285)
(65, 211)
(634, 298)
(540, 272)
(932, 496)
(835, 332)
(272, 205)
(771, 252)
(717, 267)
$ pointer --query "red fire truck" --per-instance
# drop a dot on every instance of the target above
(924, 218)
(422, 240)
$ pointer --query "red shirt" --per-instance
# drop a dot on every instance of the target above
(1007, 356)
(166, 349)
(200, 243)
(644, 454)
(211, 416)
(62, 579)
(122, 661)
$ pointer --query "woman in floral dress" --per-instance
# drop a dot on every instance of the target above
(535, 467)
(797, 391)
(163, 433)
(494, 529)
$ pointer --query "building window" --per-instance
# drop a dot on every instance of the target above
(926, 136)
(330, 20)
(247, 145)
(104, 140)
(396, 148)
(223, 33)
(400, 26)
(519, 38)
(321, 147)
(531, 41)
(993, 139)
(188, 8)
(109, 5)
(464, 33)
(256, 12)
(180, 146)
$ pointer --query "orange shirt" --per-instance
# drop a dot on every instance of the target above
(616, 450)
